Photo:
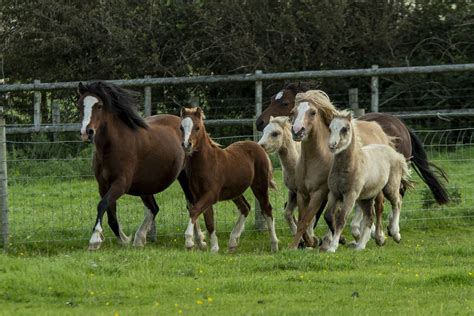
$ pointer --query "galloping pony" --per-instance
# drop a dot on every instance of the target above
(132, 155)
(277, 138)
(358, 174)
(406, 141)
(216, 174)
(311, 117)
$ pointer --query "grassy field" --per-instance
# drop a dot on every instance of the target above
(49, 271)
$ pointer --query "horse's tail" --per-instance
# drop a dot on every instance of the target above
(406, 182)
(428, 171)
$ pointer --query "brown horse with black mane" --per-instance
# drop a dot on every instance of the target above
(406, 141)
(216, 174)
(132, 155)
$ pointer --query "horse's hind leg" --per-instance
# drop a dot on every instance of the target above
(367, 207)
(244, 209)
(394, 218)
(379, 235)
(151, 210)
(356, 223)
(261, 193)
(289, 209)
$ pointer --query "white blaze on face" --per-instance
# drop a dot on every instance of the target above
(266, 132)
(335, 137)
(88, 103)
(187, 124)
(303, 107)
(279, 95)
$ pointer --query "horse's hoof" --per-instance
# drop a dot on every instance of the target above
(380, 241)
(202, 246)
(352, 244)
(359, 248)
(232, 249)
(138, 244)
(275, 247)
(342, 240)
(94, 246)
(397, 237)
(331, 250)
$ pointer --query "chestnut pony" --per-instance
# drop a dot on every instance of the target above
(406, 141)
(216, 174)
(132, 155)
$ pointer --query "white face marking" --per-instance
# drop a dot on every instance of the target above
(303, 107)
(269, 141)
(88, 103)
(335, 139)
(279, 95)
(187, 124)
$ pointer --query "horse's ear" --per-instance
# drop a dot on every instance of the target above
(81, 89)
(271, 117)
(200, 113)
(183, 111)
(349, 115)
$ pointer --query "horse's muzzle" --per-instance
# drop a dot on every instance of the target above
(297, 137)
(88, 137)
(188, 148)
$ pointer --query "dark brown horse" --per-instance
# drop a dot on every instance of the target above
(216, 174)
(407, 143)
(132, 155)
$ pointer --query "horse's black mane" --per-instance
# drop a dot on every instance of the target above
(116, 100)
(297, 87)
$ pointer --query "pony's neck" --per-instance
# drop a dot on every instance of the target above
(205, 145)
(316, 144)
(347, 158)
(289, 151)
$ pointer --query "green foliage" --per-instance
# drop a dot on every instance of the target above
(111, 39)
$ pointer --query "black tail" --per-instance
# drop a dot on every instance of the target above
(429, 172)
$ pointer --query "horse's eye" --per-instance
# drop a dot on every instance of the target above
(275, 134)
(312, 113)
(197, 128)
(344, 130)
(285, 103)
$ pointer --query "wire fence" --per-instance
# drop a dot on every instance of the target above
(52, 194)
(55, 199)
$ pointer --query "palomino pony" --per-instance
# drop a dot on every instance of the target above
(277, 138)
(311, 118)
(132, 155)
(216, 174)
(358, 174)
(406, 141)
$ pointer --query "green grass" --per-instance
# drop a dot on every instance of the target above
(48, 269)
(430, 272)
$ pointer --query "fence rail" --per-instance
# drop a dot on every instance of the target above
(258, 77)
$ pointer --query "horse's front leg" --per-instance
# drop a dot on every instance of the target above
(117, 189)
(308, 213)
(203, 203)
(244, 209)
(340, 219)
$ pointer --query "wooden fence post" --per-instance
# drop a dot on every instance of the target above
(151, 235)
(374, 87)
(354, 102)
(3, 183)
(37, 108)
(147, 91)
(55, 116)
(259, 220)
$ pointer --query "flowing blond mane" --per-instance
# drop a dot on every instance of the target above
(321, 101)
